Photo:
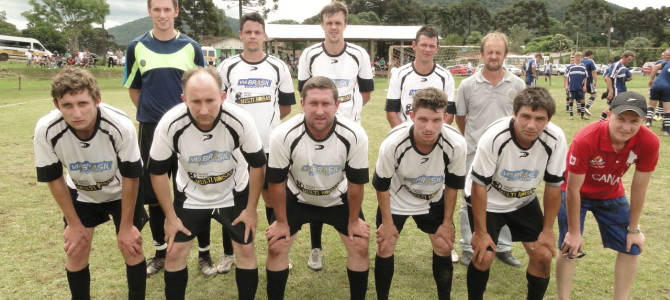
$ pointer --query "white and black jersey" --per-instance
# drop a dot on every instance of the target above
(350, 70)
(405, 81)
(512, 173)
(318, 170)
(207, 164)
(260, 88)
(94, 165)
(416, 179)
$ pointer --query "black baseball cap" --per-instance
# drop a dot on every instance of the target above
(629, 101)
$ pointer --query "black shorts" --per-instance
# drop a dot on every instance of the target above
(591, 87)
(94, 214)
(198, 220)
(145, 194)
(427, 223)
(525, 223)
(300, 213)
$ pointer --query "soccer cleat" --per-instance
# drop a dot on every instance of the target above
(571, 118)
(154, 265)
(315, 261)
(666, 133)
(508, 258)
(466, 257)
(454, 257)
(225, 264)
(206, 266)
(585, 118)
(657, 118)
(586, 110)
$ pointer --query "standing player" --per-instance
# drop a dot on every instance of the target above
(513, 156)
(155, 62)
(599, 156)
(426, 193)
(317, 169)
(412, 77)
(530, 69)
(348, 65)
(591, 80)
(483, 98)
(659, 90)
(97, 145)
(206, 135)
(574, 82)
(616, 77)
(262, 85)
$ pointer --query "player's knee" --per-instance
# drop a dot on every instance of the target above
(359, 247)
(277, 250)
(485, 263)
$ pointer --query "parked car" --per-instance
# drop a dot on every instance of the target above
(516, 71)
(636, 71)
(459, 70)
(646, 67)
(560, 69)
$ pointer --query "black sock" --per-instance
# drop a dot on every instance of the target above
(137, 280)
(156, 222)
(477, 281)
(603, 116)
(443, 270)
(80, 283)
(203, 242)
(591, 99)
(175, 284)
(247, 283)
(383, 275)
(537, 286)
(270, 215)
(227, 242)
(276, 284)
(315, 231)
(358, 283)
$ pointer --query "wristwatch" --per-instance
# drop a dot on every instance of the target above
(634, 231)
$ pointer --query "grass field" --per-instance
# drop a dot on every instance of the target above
(31, 222)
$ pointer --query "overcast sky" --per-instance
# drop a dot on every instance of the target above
(123, 11)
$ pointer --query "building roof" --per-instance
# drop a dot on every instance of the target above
(290, 32)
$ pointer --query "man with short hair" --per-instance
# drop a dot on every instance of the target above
(421, 167)
(262, 85)
(616, 77)
(421, 73)
(599, 156)
(483, 98)
(207, 135)
(591, 80)
(346, 64)
(530, 69)
(574, 82)
(155, 63)
(513, 156)
(97, 144)
(317, 170)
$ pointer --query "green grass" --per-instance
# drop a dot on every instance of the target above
(31, 222)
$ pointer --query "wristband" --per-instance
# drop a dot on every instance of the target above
(634, 231)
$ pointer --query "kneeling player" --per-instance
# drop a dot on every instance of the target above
(207, 135)
(513, 156)
(416, 160)
(98, 146)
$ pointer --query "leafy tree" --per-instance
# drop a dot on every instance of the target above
(474, 38)
(364, 18)
(284, 21)
(452, 39)
(313, 20)
(540, 44)
(51, 38)
(531, 15)
(70, 17)
(518, 36)
(200, 18)
(7, 28)
(464, 18)
(96, 40)
(589, 15)
(253, 5)
(638, 42)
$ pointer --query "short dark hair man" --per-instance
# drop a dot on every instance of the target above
(592, 79)
(530, 69)
(97, 144)
(420, 73)
(208, 135)
(317, 169)
(599, 156)
(421, 167)
(513, 156)
(616, 76)
(574, 82)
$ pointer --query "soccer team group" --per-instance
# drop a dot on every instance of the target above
(217, 136)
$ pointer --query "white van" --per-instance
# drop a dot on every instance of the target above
(210, 55)
(15, 47)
